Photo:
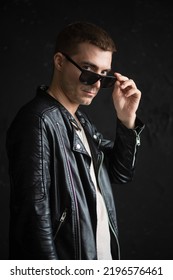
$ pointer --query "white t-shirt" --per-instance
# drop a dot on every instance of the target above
(103, 233)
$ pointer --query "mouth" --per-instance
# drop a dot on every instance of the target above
(89, 92)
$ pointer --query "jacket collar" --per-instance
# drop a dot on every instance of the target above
(77, 144)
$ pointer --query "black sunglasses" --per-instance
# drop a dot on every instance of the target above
(89, 78)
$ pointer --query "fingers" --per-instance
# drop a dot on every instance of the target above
(124, 81)
(121, 78)
(127, 85)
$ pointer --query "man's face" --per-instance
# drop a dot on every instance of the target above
(91, 58)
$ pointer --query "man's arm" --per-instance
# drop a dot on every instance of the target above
(31, 228)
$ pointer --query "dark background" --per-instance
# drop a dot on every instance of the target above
(143, 32)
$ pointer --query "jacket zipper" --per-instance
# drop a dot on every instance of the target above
(138, 143)
(116, 237)
(111, 226)
(61, 221)
(77, 224)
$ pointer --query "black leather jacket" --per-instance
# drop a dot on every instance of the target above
(53, 200)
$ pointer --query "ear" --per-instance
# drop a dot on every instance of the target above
(58, 60)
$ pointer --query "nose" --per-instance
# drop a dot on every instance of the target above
(97, 84)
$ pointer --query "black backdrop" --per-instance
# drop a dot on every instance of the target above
(143, 32)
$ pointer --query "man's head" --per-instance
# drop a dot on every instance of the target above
(82, 64)
(76, 33)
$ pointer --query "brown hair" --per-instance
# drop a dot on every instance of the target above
(79, 32)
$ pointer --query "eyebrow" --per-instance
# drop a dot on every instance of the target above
(95, 66)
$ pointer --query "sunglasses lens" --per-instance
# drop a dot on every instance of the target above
(108, 81)
(88, 77)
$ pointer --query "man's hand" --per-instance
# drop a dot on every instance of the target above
(126, 98)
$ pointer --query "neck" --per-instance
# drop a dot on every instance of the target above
(61, 98)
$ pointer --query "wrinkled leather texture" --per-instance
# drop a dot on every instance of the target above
(53, 200)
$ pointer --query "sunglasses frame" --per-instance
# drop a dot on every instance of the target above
(98, 77)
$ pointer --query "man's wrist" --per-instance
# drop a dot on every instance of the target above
(130, 123)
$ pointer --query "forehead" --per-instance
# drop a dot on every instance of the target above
(91, 53)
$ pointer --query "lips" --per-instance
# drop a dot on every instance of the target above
(89, 92)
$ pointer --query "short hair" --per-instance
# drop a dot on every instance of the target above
(80, 32)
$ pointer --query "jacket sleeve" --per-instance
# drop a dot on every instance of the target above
(120, 156)
(31, 234)
(123, 158)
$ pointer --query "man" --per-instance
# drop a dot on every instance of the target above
(61, 168)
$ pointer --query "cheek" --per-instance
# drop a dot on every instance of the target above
(71, 78)
(70, 83)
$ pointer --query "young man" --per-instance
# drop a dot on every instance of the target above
(61, 168)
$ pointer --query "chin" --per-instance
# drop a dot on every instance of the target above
(86, 103)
